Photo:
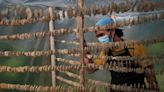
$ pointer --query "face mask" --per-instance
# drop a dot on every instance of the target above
(105, 39)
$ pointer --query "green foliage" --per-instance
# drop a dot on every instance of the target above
(157, 48)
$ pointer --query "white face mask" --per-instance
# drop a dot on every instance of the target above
(105, 39)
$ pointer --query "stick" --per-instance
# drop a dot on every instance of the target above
(80, 25)
(52, 47)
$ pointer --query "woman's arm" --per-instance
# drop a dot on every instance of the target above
(151, 78)
(88, 60)
(100, 60)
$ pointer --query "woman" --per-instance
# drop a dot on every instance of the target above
(119, 78)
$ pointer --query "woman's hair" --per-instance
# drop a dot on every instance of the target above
(119, 32)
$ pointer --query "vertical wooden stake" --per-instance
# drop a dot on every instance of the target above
(80, 25)
(52, 47)
(0, 14)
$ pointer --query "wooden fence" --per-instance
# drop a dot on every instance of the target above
(79, 13)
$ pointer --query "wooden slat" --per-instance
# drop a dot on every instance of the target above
(68, 61)
(80, 25)
(68, 81)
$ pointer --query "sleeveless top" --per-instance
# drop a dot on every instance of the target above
(130, 78)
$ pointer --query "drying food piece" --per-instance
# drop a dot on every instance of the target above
(124, 87)
(70, 12)
(29, 13)
(93, 8)
(105, 10)
(63, 14)
(7, 11)
(15, 12)
(22, 12)
(38, 13)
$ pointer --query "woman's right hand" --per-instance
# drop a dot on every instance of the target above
(88, 60)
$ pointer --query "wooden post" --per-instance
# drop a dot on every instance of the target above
(52, 47)
(80, 25)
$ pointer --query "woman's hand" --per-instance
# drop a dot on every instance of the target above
(89, 60)
(151, 79)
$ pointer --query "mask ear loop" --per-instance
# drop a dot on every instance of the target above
(113, 16)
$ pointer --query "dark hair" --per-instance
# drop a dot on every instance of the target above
(119, 32)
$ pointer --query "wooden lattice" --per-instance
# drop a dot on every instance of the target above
(79, 12)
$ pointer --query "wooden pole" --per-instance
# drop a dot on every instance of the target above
(80, 25)
(52, 47)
